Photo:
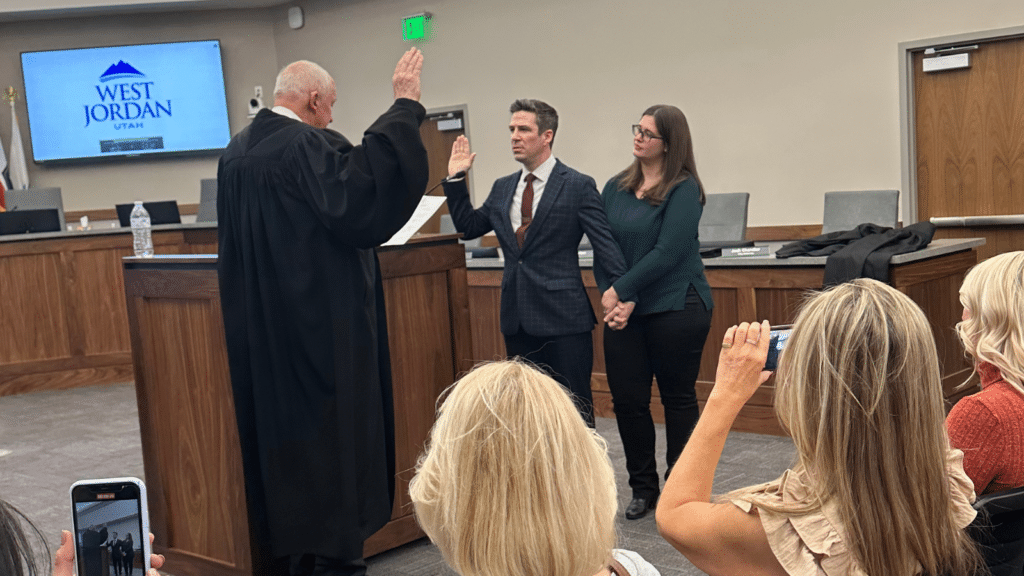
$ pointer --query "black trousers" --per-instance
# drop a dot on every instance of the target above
(568, 359)
(666, 345)
(311, 565)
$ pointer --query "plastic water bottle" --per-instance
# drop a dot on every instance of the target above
(142, 233)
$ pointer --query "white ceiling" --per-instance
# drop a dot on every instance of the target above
(14, 10)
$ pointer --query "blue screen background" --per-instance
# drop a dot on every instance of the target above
(61, 86)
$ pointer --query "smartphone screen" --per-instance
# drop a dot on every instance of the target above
(776, 344)
(111, 527)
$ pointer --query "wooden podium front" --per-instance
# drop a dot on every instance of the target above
(189, 436)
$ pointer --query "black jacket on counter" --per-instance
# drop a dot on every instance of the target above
(863, 252)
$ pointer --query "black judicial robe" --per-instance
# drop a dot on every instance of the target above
(300, 211)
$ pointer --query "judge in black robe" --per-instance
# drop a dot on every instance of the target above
(300, 211)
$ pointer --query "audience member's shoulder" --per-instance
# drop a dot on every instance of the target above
(1004, 401)
(975, 413)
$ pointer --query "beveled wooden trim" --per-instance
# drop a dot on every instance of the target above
(483, 278)
(117, 238)
(422, 260)
(925, 270)
(783, 232)
(111, 213)
(183, 563)
(64, 364)
(779, 277)
(49, 378)
(399, 531)
(170, 283)
(786, 232)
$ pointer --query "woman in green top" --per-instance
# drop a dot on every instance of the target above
(664, 311)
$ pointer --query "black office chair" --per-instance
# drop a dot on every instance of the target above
(207, 200)
(847, 210)
(999, 528)
(162, 212)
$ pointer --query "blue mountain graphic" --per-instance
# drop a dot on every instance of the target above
(121, 70)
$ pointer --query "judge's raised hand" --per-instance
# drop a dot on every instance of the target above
(461, 159)
(406, 80)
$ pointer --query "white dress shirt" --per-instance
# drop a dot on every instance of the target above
(543, 173)
(283, 111)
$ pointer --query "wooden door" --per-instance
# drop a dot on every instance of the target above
(439, 131)
(969, 136)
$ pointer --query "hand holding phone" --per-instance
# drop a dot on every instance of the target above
(111, 527)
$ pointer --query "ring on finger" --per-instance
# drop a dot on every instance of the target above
(754, 342)
(726, 344)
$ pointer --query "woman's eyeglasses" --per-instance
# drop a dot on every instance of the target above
(644, 134)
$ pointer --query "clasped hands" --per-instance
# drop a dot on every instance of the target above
(616, 312)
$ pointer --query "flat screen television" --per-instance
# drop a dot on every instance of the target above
(122, 101)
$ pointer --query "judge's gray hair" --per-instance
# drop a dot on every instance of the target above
(300, 78)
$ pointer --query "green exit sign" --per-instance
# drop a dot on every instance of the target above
(416, 27)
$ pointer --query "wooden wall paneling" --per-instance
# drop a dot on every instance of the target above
(422, 366)
(998, 239)
(484, 293)
(193, 386)
(934, 285)
(594, 294)
(34, 297)
(97, 311)
(724, 315)
(745, 293)
(71, 326)
(197, 497)
(461, 326)
(785, 232)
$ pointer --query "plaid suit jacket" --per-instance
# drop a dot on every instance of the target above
(541, 288)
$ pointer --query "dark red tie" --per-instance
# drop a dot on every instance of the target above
(527, 210)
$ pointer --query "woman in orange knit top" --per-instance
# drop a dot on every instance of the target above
(989, 426)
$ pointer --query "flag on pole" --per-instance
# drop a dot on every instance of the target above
(18, 169)
(5, 184)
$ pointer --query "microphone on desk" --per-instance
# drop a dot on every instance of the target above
(455, 178)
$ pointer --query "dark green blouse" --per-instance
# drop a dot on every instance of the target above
(660, 246)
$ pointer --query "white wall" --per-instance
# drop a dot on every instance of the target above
(786, 100)
(249, 56)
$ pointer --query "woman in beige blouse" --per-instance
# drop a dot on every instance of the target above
(876, 489)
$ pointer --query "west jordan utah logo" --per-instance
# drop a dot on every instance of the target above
(126, 99)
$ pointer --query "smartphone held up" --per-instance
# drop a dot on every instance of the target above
(776, 344)
(111, 527)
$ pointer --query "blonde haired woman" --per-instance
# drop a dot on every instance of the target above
(876, 489)
(513, 482)
(989, 426)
